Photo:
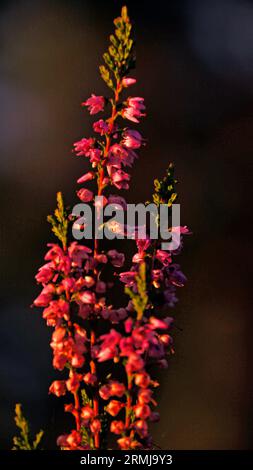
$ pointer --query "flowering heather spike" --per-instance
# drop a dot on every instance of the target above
(87, 329)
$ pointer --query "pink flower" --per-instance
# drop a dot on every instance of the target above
(157, 323)
(127, 81)
(129, 325)
(86, 177)
(117, 259)
(95, 104)
(114, 407)
(78, 253)
(134, 109)
(45, 273)
(119, 155)
(117, 200)
(83, 147)
(45, 296)
(58, 388)
(117, 427)
(137, 103)
(164, 257)
(132, 139)
(109, 346)
(87, 297)
(55, 253)
(95, 156)
(57, 309)
(101, 127)
(120, 179)
(85, 195)
(183, 230)
(134, 363)
(128, 277)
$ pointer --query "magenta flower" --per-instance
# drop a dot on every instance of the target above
(132, 139)
(85, 195)
(133, 109)
(83, 147)
(86, 177)
(101, 127)
(127, 81)
(95, 104)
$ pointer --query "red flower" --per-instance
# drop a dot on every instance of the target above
(90, 379)
(73, 382)
(74, 439)
(117, 427)
(117, 389)
(95, 426)
(142, 380)
(142, 411)
(114, 407)
(58, 388)
(141, 428)
(87, 413)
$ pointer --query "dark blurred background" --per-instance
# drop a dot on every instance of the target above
(195, 70)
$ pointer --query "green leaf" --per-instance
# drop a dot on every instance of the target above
(22, 442)
(60, 221)
(139, 298)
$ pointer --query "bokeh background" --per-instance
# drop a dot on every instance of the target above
(195, 70)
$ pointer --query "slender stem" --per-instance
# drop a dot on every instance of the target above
(129, 401)
(77, 408)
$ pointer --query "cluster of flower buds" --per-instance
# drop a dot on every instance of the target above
(91, 336)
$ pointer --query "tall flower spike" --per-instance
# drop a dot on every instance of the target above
(87, 329)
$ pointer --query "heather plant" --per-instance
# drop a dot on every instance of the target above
(24, 441)
(109, 354)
